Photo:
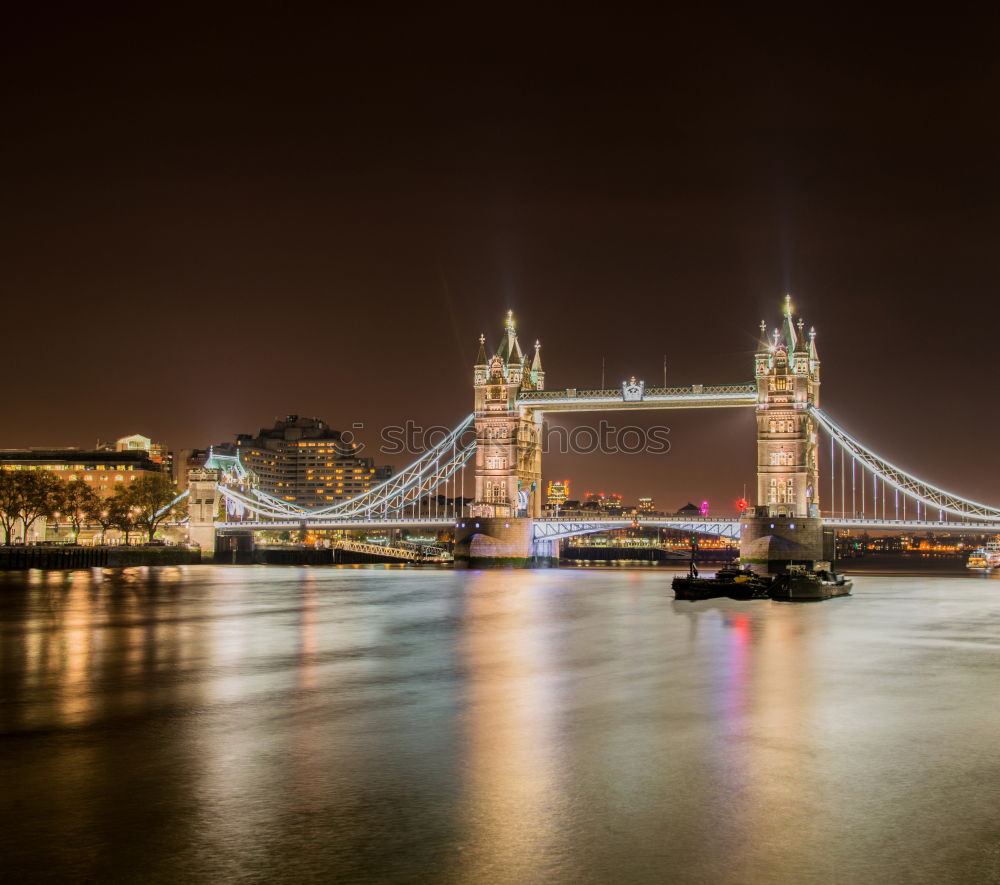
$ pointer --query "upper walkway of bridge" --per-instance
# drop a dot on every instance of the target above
(695, 396)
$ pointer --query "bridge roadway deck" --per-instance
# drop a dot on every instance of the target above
(697, 396)
(911, 525)
(561, 527)
(292, 524)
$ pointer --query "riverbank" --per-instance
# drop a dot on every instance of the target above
(54, 556)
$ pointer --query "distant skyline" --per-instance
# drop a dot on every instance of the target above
(212, 221)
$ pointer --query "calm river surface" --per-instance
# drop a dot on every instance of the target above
(268, 724)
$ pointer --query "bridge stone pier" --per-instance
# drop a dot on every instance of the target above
(768, 544)
(499, 542)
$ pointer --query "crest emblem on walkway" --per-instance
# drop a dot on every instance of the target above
(632, 390)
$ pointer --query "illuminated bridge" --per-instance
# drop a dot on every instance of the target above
(483, 479)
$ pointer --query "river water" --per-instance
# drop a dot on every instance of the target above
(269, 724)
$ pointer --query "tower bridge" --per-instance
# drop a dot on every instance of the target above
(500, 445)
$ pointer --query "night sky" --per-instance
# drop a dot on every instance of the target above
(214, 218)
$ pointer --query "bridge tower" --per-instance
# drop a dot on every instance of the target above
(786, 527)
(203, 508)
(787, 373)
(497, 531)
(508, 439)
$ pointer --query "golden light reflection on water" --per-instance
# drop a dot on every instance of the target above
(767, 735)
(73, 676)
(511, 797)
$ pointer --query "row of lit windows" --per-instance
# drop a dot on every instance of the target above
(311, 483)
(338, 470)
(781, 425)
(61, 467)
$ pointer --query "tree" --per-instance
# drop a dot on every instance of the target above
(151, 497)
(26, 496)
(79, 501)
(43, 492)
(98, 512)
(120, 512)
(10, 502)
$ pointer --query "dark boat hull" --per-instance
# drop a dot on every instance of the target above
(808, 588)
(695, 589)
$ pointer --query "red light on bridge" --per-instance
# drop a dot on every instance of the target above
(742, 504)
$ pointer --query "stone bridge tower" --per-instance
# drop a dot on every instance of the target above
(785, 527)
(787, 374)
(508, 440)
(203, 508)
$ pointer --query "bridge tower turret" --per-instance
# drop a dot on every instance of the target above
(508, 450)
(787, 372)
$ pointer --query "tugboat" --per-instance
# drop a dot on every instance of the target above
(731, 582)
(798, 584)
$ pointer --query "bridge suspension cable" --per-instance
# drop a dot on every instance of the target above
(887, 474)
(415, 487)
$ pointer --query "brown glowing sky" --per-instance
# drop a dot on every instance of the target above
(210, 220)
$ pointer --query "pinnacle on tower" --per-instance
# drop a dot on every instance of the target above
(536, 363)
(813, 353)
(788, 327)
(764, 344)
(481, 356)
(802, 345)
(509, 350)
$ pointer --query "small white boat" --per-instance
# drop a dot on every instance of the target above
(986, 557)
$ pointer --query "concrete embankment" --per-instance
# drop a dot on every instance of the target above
(69, 557)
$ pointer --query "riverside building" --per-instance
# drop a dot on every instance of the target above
(304, 461)
(102, 469)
